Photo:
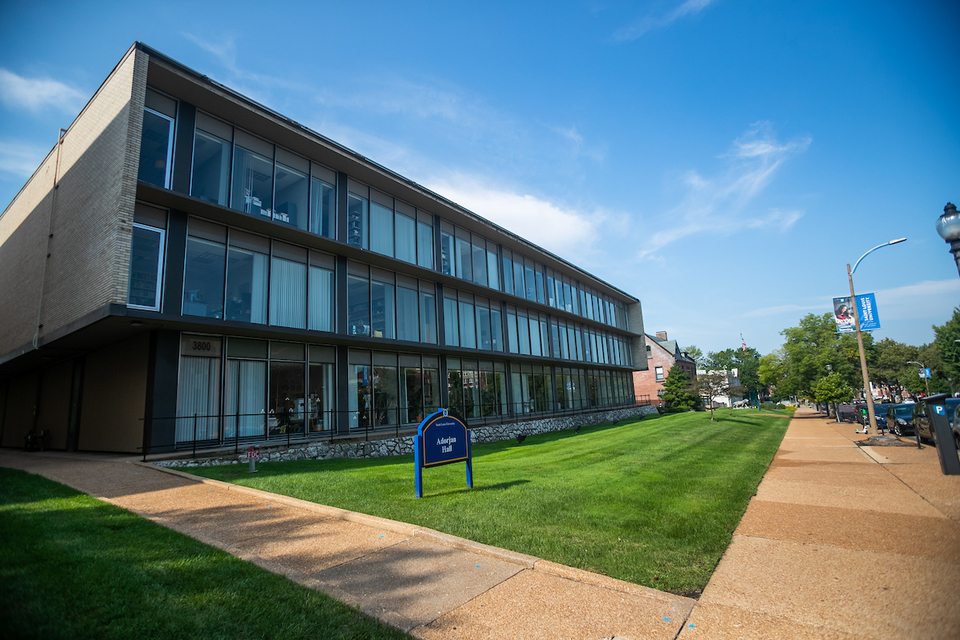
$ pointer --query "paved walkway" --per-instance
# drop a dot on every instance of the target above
(838, 543)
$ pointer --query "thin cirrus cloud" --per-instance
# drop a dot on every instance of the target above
(38, 94)
(715, 204)
(650, 22)
(561, 230)
(19, 160)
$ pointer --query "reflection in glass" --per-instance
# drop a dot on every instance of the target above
(323, 208)
(322, 388)
(424, 245)
(479, 265)
(464, 262)
(381, 229)
(245, 400)
(203, 278)
(145, 268)
(408, 323)
(406, 238)
(446, 253)
(385, 395)
(252, 182)
(451, 327)
(156, 146)
(288, 293)
(211, 168)
(358, 221)
(468, 326)
(358, 306)
(246, 286)
(428, 318)
(411, 396)
(359, 396)
(383, 312)
(291, 206)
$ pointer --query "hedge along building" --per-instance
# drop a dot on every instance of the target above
(187, 268)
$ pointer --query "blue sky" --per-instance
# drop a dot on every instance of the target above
(721, 160)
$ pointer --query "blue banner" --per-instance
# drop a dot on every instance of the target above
(866, 309)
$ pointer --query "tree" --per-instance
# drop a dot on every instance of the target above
(694, 352)
(948, 346)
(813, 345)
(712, 385)
(771, 372)
(833, 388)
(676, 390)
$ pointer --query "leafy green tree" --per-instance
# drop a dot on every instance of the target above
(813, 345)
(892, 367)
(676, 390)
(712, 385)
(948, 347)
(771, 372)
(832, 389)
(694, 352)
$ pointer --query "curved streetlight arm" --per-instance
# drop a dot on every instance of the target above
(885, 244)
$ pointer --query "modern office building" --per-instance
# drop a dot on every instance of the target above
(188, 268)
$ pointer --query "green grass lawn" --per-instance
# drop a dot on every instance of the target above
(74, 567)
(652, 501)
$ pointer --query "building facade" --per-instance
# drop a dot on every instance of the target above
(662, 355)
(188, 268)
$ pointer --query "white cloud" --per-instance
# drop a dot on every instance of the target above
(20, 159)
(563, 231)
(926, 300)
(37, 94)
(715, 204)
(658, 21)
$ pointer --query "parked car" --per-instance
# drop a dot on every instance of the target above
(956, 427)
(879, 411)
(921, 421)
(899, 419)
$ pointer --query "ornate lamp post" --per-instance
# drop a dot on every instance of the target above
(856, 319)
(948, 226)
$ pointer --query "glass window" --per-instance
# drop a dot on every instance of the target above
(424, 245)
(246, 285)
(468, 326)
(358, 306)
(292, 199)
(288, 293)
(245, 401)
(493, 272)
(428, 317)
(411, 395)
(496, 329)
(507, 274)
(523, 330)
(451, 325)
(203, 278)
(406, 238)
(540, 297)
(198, 397)
(286, 398)
(484, 337)
(383, 310)
(551, 290)
(530, 281)
(471, 392)
(321, 399)
(575, 295)
(252, 182)
(321, 299)
(323, 208)
(455, 389)
(480, 264)
(431, 389)
(381, 229)
(535, 338)
(408, 322)
(211, 168)
(385, 388)
(358, 221)
(156, 148)
(446, 252)
(359, 396)
(464, 262)
(513, 343)
(146, 268)
(518, 284)
(544, 336)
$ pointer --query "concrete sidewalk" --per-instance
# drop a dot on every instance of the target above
(838, 543)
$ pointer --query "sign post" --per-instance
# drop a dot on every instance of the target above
(442, 438)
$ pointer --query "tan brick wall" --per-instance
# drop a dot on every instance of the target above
(93, 216)
(23, 244)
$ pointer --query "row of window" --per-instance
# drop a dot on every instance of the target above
(232, 388)
(235, 169)
(234, 275)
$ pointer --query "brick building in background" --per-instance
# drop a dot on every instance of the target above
(662, 355)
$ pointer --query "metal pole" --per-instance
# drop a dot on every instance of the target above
(863, 357)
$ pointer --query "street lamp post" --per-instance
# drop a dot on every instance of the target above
(923, 370)
(948, 226)
(856, 320)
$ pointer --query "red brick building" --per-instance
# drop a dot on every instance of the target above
(662, 355)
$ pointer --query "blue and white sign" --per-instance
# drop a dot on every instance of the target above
(925, 373)
(442, 438)
(866, 309)
(938, 408)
